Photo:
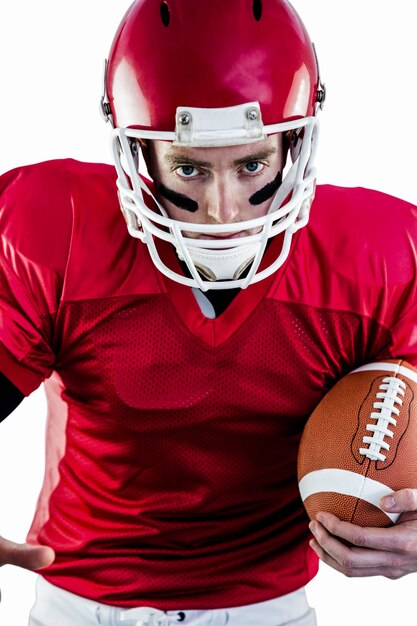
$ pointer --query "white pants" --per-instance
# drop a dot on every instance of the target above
(56, 607)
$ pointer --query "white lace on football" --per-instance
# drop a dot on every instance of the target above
(391, 393)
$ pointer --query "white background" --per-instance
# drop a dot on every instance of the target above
(51, 71)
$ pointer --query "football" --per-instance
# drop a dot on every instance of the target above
(360, 444)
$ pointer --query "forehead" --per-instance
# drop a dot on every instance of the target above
(169, 154)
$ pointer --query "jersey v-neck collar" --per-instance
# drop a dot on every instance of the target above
(216, 331)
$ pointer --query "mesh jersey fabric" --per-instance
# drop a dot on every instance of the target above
(172, 438)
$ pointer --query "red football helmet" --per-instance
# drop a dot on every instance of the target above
(213, 73)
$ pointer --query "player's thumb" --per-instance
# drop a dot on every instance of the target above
(401, 501)
(31, 557)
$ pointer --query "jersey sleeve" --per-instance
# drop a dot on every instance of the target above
(358, 255)
(397, 305)
(382, 261)
(35, 226)
(404, 327)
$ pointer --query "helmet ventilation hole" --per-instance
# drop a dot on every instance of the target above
(165, 14)
(257, 9)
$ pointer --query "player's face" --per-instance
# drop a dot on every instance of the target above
(220, 185)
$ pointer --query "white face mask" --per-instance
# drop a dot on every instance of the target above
(219, 263)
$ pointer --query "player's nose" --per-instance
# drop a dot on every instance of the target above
(222, 203)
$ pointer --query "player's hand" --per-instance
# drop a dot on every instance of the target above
(25, 555)
(356, 551)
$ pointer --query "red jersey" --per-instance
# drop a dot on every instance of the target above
(172, 438)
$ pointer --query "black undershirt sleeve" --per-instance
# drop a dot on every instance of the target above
(10, 397)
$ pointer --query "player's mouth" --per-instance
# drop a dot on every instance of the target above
(237, 235)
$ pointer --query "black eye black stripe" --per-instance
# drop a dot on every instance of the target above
(188, 204)
(179, 199)
(266, 192)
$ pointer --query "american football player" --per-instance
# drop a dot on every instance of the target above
(181, 356)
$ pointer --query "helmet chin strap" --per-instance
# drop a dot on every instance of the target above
(222, 264)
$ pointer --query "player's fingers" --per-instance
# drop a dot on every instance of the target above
(351, 557)
(25, 555)
(332, 551)
(392, 539)
(356, 572)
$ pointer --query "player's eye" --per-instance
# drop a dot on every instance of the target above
(186, 171)
(253, 167)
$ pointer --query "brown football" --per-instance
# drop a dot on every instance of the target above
(360, 444)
